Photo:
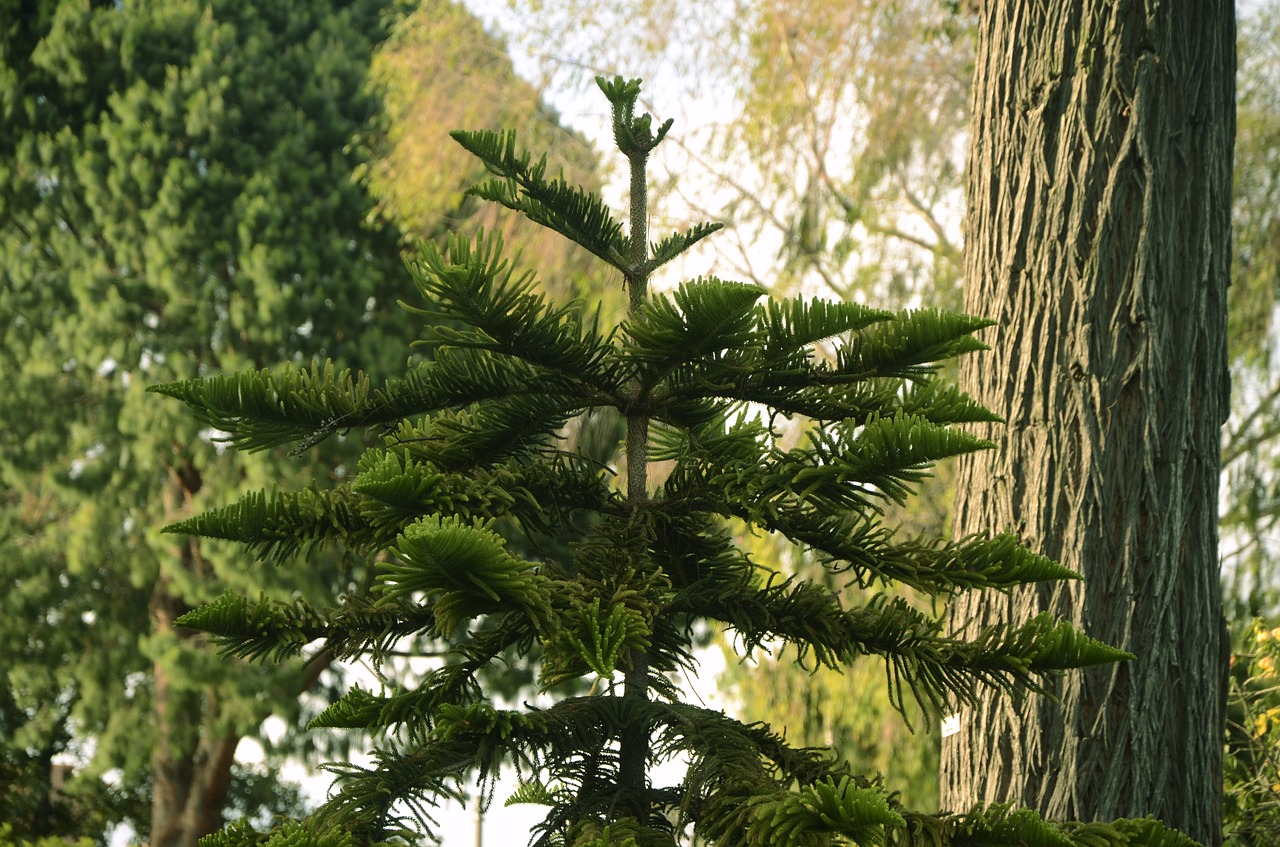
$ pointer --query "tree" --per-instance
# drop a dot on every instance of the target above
(1250, 456)
(836, 133)
(833, 128)
(176, 197)
(470, 454)
(439, 70)
(1098, 236)
(163, 167)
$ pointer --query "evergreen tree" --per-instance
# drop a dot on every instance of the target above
(176, 198)
(842, 143)
(170, 172)
(471, 455)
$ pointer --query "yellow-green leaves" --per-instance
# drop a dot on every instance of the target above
(462, 570)
(810, 816)
(595, 638)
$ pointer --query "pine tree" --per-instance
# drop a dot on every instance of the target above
(708, 379)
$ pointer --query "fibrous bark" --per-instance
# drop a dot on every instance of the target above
(1098, 235)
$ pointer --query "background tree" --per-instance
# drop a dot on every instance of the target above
(1250, 453)
(1098, 236)
(172, 176)
(175, 198)
(834, 130)
(439, 70)
(471, 450)
(1250, 457)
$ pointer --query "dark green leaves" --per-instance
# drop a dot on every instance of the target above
(474, 300)
(801, 418)
(701, 321)
(678, 242)
(263, 409)
(279, 525)
(524, 187)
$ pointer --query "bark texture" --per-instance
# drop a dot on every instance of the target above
(1098, 235)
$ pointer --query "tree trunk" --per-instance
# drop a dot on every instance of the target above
(192, 758)
(1098, 235)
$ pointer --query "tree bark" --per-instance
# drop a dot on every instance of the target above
(1098, 235)
(192, 758)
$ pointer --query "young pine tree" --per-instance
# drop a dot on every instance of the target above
(473, 450)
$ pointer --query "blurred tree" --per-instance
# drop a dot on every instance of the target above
(1251, 456)
(175, 199)
(8, 838)
(440, 70)
(1251, 444)
(833, 132)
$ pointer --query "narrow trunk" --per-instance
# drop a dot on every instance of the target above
(177, 724)
(633, 752)
(191, 768)
(1098, 235)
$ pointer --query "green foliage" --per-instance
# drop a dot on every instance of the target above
(8, 839)
(290, 834)
(1251, 812)
(524, 187)
(440, 69)
(705, 377)
(1250, 457)
(177, 200)
(873, 218)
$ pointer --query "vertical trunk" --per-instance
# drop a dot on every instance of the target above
(633, 746)
(176, 721)
(190, 766)
(191, 760)
(1098, 235)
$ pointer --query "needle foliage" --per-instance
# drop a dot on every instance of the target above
(714, 381)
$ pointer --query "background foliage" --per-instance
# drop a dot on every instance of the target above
(177, 198)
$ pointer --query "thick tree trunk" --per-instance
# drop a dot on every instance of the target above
(1098, 235)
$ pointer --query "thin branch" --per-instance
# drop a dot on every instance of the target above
(1237, 445)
